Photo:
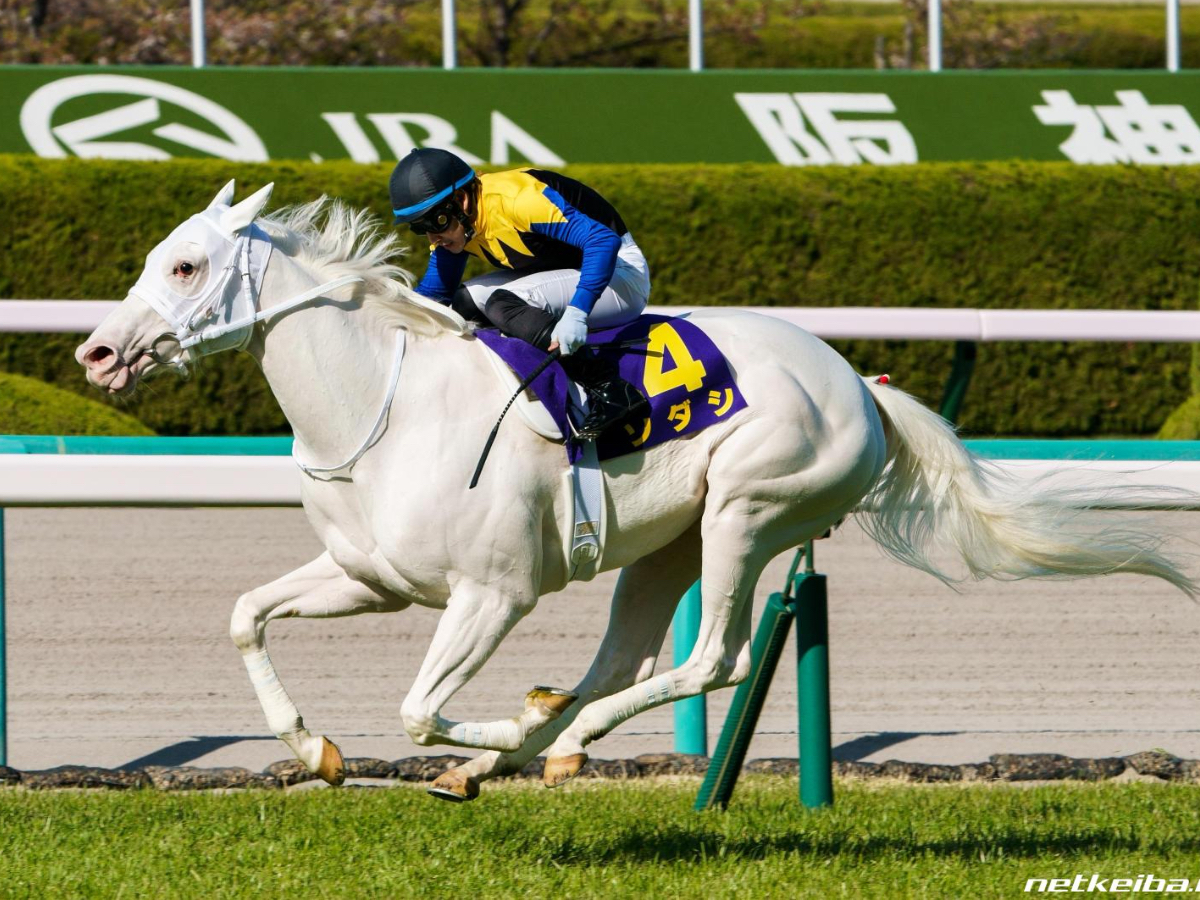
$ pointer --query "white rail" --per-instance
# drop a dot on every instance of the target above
(1172, 35)
(696, 35)
(883, 323)
(39, 479)
(80, 316)
(933, 23)
(113, 480)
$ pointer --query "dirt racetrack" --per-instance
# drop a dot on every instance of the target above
(118, 653)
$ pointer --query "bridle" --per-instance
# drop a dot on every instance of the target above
(199, 326)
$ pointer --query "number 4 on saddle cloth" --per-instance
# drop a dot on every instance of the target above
(670, 360)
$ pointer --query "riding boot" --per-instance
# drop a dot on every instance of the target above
(611, 399)
(516, 318)
(463, 304)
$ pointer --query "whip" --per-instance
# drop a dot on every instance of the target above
(529, 379)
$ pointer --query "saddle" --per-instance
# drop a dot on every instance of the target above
(528, 407)
(670, 360)
(674, 364)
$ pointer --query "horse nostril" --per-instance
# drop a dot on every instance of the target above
(98, 356)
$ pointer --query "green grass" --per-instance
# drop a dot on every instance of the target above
(593, 840)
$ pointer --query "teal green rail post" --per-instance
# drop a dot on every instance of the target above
(3, 661)
(769, 641)
(691, 715)
(812, 673)
(960, 379)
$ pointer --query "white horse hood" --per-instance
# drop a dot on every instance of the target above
(222, 233)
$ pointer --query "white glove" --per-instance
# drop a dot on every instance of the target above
(571, 331)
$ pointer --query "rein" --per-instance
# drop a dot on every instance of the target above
(265, 315)
(374, 433)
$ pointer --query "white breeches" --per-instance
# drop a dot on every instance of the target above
(622, 301)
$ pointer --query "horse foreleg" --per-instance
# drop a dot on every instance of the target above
(320, 589)
(476, 620)
(644, 600)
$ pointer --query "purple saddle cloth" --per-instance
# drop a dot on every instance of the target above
(670, 360)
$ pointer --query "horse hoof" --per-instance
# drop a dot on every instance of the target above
(552, 701)
(454, 786)
(332, 768)
(561, 769)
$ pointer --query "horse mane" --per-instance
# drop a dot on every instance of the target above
(332, 239)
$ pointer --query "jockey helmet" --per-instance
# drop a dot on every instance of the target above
(422, 189)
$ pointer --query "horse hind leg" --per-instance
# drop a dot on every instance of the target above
(543, 705)
(320, 589)
(748, 519)
(643, 602)
(721, 657)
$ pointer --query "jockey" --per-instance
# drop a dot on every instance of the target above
(564, 257)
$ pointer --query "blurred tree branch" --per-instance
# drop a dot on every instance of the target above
(38, 17)
(989, 37)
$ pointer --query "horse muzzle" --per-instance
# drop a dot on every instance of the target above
(106, 369)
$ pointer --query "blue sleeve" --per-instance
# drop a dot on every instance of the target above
(443, 275)
(599, 244)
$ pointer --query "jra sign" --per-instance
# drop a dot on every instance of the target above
(558, 117)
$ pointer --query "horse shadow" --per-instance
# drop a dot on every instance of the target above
(183, 752)
(665, 844)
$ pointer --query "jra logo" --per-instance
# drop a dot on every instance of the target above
(233, 139)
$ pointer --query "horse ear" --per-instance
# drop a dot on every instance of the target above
(237, 218)
(224, 196)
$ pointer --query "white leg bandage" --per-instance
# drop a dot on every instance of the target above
(282, 716)
(506, 734)
(601, 716)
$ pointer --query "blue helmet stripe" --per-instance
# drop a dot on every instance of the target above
(436, 198)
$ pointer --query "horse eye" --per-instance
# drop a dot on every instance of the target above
(185, 268)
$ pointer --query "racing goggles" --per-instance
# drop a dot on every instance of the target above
(438, 219)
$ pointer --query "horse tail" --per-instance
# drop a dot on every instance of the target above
(935, 494)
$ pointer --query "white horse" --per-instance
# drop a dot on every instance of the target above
(400, 527)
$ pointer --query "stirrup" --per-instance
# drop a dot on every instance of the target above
(607, 410)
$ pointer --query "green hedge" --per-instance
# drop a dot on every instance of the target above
(29, 406)
(1025, 235)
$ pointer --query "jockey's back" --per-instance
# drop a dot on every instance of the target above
(534, 219)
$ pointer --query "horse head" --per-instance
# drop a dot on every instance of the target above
(203, 278)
